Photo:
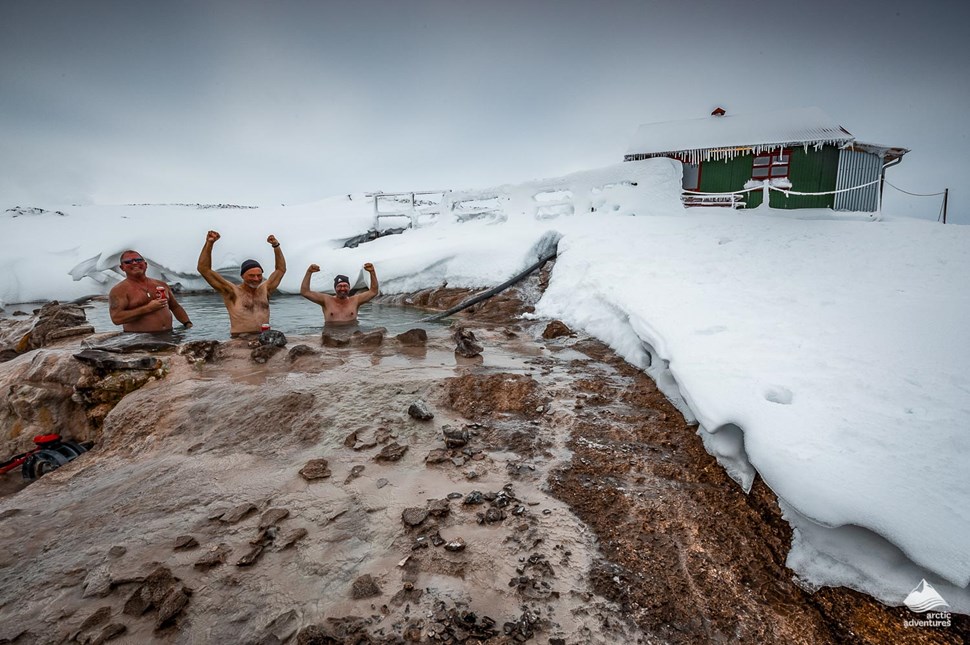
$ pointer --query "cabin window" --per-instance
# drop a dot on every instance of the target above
(771, 165)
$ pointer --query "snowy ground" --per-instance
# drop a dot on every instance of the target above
(826, 352)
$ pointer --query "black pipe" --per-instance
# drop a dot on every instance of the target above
(491, 292)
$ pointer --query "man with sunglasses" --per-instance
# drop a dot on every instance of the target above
(139, 303)
(247, 303)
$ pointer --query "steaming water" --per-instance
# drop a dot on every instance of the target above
(290, 314)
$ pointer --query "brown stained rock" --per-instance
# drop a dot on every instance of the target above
(466, 342)
(272, 517)
(108, 361)
(263, 353)
(439, 507)
(355, 472)
(199, 351)
(67, 332)
(413, 337)
(414, 516)
(250, 558)
(350, 440)
(331, 340)
(214, 557)
(315, 469)
(110, 632)
(171, 606)
(238, 513)
(185, 542)
(97, 582)
(383, 435)
(481, 395)
(288, 539)
(455, 437)
(420, 410)
(299, 351)
(437, 456)
(101, 615)
(556, 329)
(150, 593)
(364, 587)
(117, 551)
(391, 452)
(370, 339)
(313, 635)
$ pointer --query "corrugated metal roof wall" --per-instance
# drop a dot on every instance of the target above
(857, 168)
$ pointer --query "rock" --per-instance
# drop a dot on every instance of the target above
(236, 514)
(290, 538)
(250, 558)
(350, 440)
(556, 329)
(455, 437)
(330, 340)
(315, 469)
(107, 361)
(437, 456)
(466, 343)
(272, 337)
(264, 352)
(185, 542)
(123, 343)
(171, 606)
(200, 351)
(474, 497)
(299, 351)
(370, 339)
(364, 587)
(282, 628)
(455, 545)
(420, 411)
(439, 507)
(391, 452)
(97, 582)
(53, 321)
(354, 473)
(67, 332)
(414, 516)
(272, 517)
(150, 593)
(413, 337)
(109, 632)
(101, 615)
(217, 555)
(381, 483)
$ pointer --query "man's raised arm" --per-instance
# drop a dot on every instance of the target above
(305, 291)
(215, 280)
(277, 275)
(374, 287)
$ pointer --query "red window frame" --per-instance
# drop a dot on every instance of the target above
(771, 165)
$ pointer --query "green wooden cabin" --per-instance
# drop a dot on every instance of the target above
(802, 150)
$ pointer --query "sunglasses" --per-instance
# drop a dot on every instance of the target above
(132, 260)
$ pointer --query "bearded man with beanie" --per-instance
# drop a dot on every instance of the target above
(247, 303)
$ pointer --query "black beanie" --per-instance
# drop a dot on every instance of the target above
(340, 278)
(249, 264)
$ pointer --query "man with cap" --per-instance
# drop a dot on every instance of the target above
(141, 304)
(339, 309)
(247, 303)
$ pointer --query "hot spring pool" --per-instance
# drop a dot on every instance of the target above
(290, 314)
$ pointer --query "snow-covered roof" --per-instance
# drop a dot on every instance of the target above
(719, 136)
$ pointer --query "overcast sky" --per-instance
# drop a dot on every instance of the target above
(292, 101)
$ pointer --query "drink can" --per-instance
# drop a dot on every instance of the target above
(160, 292)
(264, 327)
